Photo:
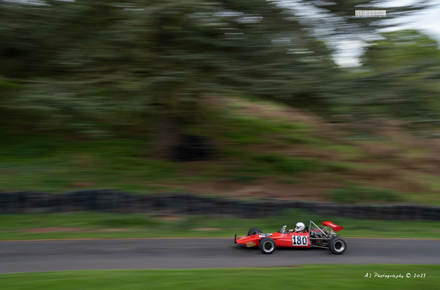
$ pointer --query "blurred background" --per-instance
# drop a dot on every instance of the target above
(298, 100)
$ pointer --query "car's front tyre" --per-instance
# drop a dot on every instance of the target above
(267, 245)
(337, 245)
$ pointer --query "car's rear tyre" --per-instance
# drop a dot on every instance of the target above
(267, 245)
(337, 245)
(254, 231)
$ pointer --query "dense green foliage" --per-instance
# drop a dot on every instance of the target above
(86, 64)
(401, 79)
(87, 60)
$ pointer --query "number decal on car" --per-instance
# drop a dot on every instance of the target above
(300, 241)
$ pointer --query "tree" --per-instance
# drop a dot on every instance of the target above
(162, 56)
(399, 49)
(401, 79)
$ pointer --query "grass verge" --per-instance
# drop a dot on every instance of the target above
(113, 226)
(332, 276)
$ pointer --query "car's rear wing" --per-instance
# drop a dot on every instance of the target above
(336, 228)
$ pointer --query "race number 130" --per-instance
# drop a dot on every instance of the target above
(299, 241)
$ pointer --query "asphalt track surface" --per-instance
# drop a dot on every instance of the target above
(36, 256)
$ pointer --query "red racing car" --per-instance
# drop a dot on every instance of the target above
(310, 236)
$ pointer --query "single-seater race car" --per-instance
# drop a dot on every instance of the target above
(311, 236)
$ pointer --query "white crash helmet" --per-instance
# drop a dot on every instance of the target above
(300, 227)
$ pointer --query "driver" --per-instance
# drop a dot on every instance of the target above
(300, 227)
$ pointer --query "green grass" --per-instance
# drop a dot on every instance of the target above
(288, 181)
(355, 194)
(279, 164)
(431, 198)
(246, 129)
(271, 164)
(431, 181)
(252, 167)
(342, 166)
(300, 277)
(107, 225)
(430, 195)
(304, 139)
(49, 163)
(347, 150)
